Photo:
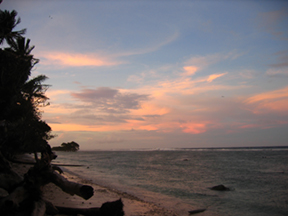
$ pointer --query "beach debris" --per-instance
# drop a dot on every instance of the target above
(114, 208)
(196, 211)
(220, 188)
(25, 194)
(56, 168)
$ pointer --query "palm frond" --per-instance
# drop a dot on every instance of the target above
(8, 22)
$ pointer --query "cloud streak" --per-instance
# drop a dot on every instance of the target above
(270, 102)
(151, 48)
(268, 96)
(205, 61)
(215, 76)
(75, 59)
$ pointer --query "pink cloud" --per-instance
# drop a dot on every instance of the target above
(280, 105)
(215, 76)
(75, 59)
(193, 128)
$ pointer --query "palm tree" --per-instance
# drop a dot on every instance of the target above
(8, 22)
(21, 128)
(34, 92)
(21, 47)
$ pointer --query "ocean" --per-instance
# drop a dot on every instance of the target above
(180, 179)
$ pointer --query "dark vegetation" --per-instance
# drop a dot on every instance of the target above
(23, 131)
(70, 146)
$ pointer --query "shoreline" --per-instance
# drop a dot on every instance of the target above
(133, 206)
(194, 182)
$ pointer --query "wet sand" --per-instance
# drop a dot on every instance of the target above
(133, 206)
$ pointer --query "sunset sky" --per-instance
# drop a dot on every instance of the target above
(161, 74)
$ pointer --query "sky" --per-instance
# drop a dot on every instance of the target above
(161, 74)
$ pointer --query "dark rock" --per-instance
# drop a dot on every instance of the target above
(220, 188)
(196, 211)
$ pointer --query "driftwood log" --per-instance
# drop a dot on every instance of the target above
(25, 194)
(107, 209)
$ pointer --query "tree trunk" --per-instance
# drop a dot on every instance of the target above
(84, 191)
(114, 208)
(28, 193)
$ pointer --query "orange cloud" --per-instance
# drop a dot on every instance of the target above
(75, 59)
(69, 127)
(215, 76)
(281, 105)
(57, 109)
(194, 128)
(131, 124)
(277, 94)
(149, 124)
(148, 127)
(56, 93)
(190, 70)
(276, 101)
(92, 128)
(151, 109)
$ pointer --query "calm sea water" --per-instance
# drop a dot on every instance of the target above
(180, 179)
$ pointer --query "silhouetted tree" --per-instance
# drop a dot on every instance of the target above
(22, 130)
(8, 22)
(21, 127)
(70, 146)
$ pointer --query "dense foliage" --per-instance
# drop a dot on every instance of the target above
(70, 146)
(21, 127)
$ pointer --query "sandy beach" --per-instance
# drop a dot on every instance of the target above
(133, 206)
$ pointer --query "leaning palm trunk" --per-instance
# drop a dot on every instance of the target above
(25, 195)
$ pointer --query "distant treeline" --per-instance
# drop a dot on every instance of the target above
(70, 146)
